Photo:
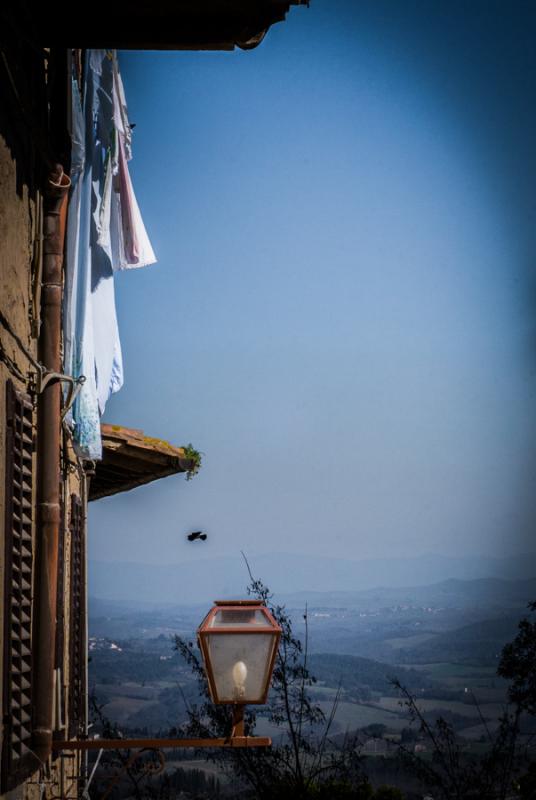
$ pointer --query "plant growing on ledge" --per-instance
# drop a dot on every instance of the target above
(194, 457)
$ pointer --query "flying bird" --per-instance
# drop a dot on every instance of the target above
(197, 535)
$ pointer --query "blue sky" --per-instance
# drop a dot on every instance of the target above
(342, 317)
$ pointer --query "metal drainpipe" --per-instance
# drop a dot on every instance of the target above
(48, 464)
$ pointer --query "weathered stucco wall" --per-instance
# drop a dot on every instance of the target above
(17, 214)
(17, 223)
(19, 233)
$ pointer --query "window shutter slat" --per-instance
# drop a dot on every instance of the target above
(17, 761)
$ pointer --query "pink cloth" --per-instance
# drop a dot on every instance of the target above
(131, 244)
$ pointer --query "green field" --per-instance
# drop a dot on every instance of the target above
(488, 710)
(135, 691)
(483, 681)
(445, 670)
(121, 708)
(401, 642)
(357, 715)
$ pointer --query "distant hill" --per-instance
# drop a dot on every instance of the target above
(451, 593)
(286, 574)
(477, 644)
(353, 673)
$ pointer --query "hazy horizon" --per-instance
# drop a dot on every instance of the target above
(288, 574)
(342, 314)
(527, 557)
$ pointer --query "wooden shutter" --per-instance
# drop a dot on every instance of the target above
(77, 632)
(17, 760)
(59, 707)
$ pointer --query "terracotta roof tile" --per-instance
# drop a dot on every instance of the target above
(130, 459)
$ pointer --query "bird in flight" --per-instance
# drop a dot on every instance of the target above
(197, 535)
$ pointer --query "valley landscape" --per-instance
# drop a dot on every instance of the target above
(442, 641)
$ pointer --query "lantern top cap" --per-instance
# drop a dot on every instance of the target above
(239, 603)
(238, 616)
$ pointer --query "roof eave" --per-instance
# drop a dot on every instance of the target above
(131, 459)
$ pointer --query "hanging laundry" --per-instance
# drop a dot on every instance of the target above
(121, 231)
(105, 233)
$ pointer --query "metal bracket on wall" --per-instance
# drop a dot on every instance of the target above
(151, 747)
(159, 744)
(45, 377)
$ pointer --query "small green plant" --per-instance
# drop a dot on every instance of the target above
(194, 457)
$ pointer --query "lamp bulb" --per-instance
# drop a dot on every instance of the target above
(240, 673)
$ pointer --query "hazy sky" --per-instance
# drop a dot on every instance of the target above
(343, 314)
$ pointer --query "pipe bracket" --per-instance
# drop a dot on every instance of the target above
(45, 377)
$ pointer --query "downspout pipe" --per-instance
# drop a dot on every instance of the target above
(48, 465)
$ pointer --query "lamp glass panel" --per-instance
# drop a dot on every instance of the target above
(240, 664)
(238, 617)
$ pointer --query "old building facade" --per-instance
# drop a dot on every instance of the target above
(21, 256)
(45, 484)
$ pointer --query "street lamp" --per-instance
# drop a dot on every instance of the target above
(238, 640)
